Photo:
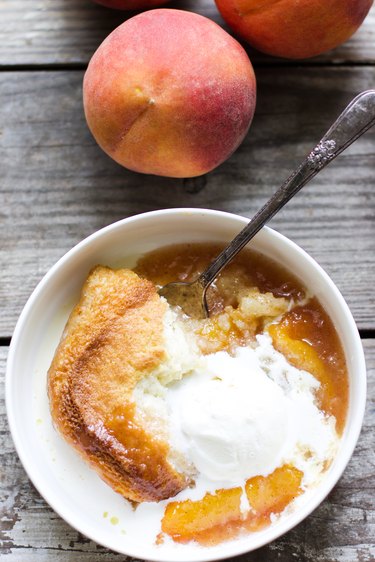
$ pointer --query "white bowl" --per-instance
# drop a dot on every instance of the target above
(72, 489)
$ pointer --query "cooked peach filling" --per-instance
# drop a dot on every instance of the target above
(235, 327)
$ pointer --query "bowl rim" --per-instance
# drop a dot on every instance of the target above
(325, 486)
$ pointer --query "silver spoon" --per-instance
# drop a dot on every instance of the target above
(355, 120)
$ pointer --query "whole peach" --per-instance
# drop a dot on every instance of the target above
(294, 29)
(169, 93)
(131, 4)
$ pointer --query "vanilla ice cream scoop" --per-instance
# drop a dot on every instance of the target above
(233, 418)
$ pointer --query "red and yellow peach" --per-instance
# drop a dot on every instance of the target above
(169, 93)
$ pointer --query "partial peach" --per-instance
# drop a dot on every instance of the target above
(294, 29)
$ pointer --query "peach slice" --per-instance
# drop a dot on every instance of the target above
(205, 520)
(271, 494)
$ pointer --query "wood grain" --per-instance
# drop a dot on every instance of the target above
(52, 32)
(342, 529)
(57, 186)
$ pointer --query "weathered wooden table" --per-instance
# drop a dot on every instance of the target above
(57, 187)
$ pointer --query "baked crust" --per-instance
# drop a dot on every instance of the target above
(113, 338)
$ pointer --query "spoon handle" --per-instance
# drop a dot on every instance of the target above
(355, 120)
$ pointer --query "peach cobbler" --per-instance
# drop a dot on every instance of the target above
(219, 425)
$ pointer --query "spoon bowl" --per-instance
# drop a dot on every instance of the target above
(191, 297)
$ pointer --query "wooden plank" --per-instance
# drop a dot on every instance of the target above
(342, 529)
(57, 186)
(68, 31)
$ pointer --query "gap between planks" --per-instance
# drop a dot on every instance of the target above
(278, 63)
